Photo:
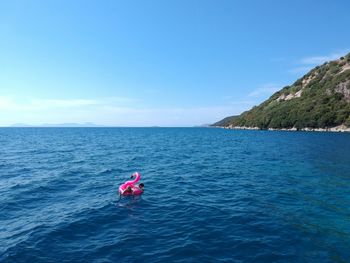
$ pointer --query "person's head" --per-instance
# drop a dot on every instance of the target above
(141, 185)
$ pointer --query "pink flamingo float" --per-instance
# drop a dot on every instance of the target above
(135, 190)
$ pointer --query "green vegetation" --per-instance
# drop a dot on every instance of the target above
(226, 121)
(324, 102)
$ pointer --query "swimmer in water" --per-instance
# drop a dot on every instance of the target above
(141, 186)
(128, 190)
(132, 191)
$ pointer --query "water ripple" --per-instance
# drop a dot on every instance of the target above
(211, 195)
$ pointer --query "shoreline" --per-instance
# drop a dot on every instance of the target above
(340, 128)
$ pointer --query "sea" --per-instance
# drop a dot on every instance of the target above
(211, 195)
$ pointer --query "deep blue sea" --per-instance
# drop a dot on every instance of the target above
(211, 195)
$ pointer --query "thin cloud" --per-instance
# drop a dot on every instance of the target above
(10, 104)
(187, 116)
(232, 100)
(300, 70)
(107, 111)
(317, 60)
(305, 64)
(266, 89)
(68, 103)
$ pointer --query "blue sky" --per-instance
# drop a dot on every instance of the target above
(166, 63)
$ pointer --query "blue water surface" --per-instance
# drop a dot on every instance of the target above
(211, 195)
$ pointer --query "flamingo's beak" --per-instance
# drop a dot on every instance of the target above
(131, 176)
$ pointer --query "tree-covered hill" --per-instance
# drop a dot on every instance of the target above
(320, 99)
(226, 121)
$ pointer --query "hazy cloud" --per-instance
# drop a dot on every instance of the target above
(111, 111)
(266, 89)
(307, 63)
(300, 70)
(70, 103)
(10, 104)
(318, 60)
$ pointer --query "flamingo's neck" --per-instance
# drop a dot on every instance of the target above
(138, 176)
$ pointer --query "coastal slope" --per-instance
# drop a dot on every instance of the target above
(320, 100)
(226, 121)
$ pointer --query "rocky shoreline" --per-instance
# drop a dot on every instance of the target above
(340, 128)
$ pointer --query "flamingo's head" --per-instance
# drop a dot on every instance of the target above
(134, 175)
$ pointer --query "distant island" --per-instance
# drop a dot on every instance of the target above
(319, 101)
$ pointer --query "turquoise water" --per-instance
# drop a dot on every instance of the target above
(210, 195)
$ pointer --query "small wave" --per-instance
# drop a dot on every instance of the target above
(208, 197)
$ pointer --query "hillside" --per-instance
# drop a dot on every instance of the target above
(226, 121)
(320, 99)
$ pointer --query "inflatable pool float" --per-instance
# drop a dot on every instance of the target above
(135, 190)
